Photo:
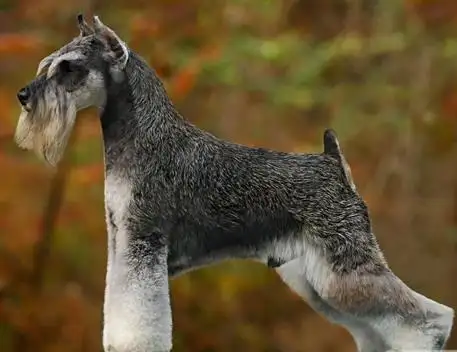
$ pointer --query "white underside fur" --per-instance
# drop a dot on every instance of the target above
(371, 334)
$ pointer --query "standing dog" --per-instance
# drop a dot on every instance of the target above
(178, 198)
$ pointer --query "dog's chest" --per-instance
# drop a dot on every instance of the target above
(118, 193)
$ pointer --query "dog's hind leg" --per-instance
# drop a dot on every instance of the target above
(365, 338)
(380, 311)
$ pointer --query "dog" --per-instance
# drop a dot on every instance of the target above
(178, 198)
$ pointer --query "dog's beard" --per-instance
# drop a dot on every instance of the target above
(46, 127)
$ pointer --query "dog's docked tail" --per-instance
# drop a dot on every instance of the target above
(332, 148)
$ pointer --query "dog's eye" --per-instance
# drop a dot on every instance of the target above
(70, 66)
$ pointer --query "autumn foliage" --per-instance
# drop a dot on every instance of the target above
(258, 72)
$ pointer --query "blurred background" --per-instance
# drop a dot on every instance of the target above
(265, 73)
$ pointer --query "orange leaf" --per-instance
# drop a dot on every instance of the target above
(184, 81)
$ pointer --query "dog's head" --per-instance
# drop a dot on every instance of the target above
(67, 81)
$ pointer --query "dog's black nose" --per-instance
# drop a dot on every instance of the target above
(23, 95)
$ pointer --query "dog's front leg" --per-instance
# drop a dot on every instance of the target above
(137, 313)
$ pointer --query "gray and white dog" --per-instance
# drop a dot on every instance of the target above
(178, 198)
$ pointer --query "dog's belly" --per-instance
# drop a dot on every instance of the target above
(199, 247)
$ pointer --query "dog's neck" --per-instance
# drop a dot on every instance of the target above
(137, 112)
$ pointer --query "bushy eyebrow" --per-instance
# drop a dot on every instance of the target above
(50, 64)
(46, 62)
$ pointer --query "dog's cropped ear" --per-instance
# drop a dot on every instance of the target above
(332, 148)
(119, 52)
(84, 28)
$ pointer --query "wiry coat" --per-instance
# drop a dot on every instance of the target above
(178, 198)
